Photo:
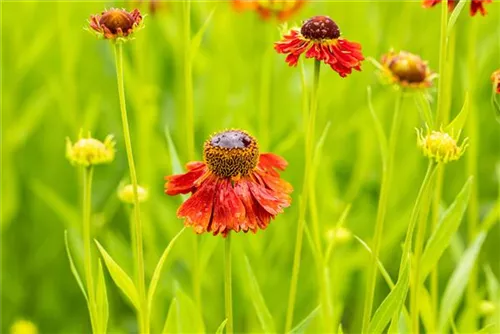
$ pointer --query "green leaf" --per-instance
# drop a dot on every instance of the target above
(302, 326)
(425, 108)
(448, 225)
(392, 304)
(265, 317)
(320, 143)
(196, 40)
(120, 277)
(220, 329)
(458, 122)
(454, 16)
(174, 157)
(340, 330)
(171, 323)
(102, 300)
(458, 281)
(73, 267)
(383, 271)
(426, 310)
(157, 272)
(379, 129)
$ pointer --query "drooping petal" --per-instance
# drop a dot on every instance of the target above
(270, 161)
(185, 183)
(229, 211)
(243, 192)
(266, 200)
(198, 209)
(279, 187)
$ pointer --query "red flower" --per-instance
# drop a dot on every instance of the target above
(235, 188)
(319, 38)
(282, 10)
(495, 79)
(475, 5)
(116, 24)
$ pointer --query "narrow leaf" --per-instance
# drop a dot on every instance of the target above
(458, 122)
(120, 277)
(454, 16)
(196, 41)
(265, 318)
(458, 281)
(379, 129)
(170, 325)
(448, 225)
(383, 271)
(73, 267)
(425, 108)
(220, 329)
(156, 274)
(174, 157)
(302, 326)
(392, 304)
(102, 300)
(189, 318)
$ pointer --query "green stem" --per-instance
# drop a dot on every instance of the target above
(87, 247)
(265, 89)
(419, 243)
(228, 285)
(472, 154)
(441, 113)
(143, 312)
(387, 167)
(189, 130)
(309, 150)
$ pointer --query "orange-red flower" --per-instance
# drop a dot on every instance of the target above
(267, 9)
(475, 5)
(116, 24)
(235, 188)
(406, 70)
(495, 79)
(319, 38)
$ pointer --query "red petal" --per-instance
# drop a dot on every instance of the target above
(228, 209)
(266, 199)
(185, 183)
(255, 216)
(198, 208)
(269, 161)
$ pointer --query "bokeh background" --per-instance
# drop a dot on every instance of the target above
(58, 79)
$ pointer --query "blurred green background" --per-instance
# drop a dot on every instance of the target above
(58, 79)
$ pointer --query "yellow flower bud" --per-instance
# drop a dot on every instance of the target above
(23, 327)
(486, 307)
(440, 146)
(89, 151)
(126, 194)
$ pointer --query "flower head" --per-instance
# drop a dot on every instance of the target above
(23, 327)
(235, 187)
(475, 5)
(89, 151)
(495, 79)
(440, 146)
(319, 38)
(116, 24)
(267, 9)
(406, 70)
(126, 194)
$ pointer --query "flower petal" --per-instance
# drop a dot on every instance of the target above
(185, 183)
(228, 209)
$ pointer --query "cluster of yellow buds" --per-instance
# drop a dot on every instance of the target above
(126, 194)
(89, 151)
(440, 146)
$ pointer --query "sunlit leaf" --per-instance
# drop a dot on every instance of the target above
(220, 329)
(441, 236)
(458, 122)
(454, 15)
(265, 318)
(302, 326)
(102, 300)
(196, 40)
(121, 279)
(73, 267)
(171, 323)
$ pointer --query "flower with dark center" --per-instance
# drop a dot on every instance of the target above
(116, 24)
(475, 5)
(235, 188)
(406, 70)
(267, 9)
(495, 79)
(319, 38)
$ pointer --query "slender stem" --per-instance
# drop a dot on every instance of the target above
(265, 88)
(472, 154)
(419, 243)
(309, 149)
(143, 312)
(189, 130)
(87, 248)
(228, 285)
(387, 167)
(441, 113)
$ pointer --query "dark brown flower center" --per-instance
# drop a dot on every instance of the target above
(408, 67)
(320, 27)
(231, 153)
(115, 19)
